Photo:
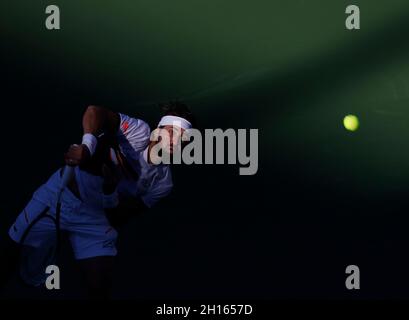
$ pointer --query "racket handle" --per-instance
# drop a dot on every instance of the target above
(67, 176)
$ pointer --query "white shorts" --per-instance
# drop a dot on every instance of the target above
(89, 230)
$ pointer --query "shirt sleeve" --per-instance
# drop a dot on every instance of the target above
(133, 135)
(159, 190)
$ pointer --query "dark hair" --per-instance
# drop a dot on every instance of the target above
(179, 109)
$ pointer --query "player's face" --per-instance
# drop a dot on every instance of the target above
(171, 136)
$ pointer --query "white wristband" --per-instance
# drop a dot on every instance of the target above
(90, 141)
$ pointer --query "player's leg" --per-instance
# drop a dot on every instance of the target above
(98, 273)
(94, 248)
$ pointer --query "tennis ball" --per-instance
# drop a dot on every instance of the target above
(351, 122)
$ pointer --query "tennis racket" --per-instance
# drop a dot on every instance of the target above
(35, 260)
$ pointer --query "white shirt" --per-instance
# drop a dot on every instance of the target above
(155, 181)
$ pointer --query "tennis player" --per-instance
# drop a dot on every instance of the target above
(114, 179)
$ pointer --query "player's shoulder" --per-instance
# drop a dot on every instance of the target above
(133, 126)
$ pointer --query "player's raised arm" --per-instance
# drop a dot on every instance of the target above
(95, 121)
(98, 119)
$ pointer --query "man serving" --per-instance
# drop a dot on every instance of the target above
(114, 177)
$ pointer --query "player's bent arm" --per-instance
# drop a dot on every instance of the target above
(94, 121)
(98, 119)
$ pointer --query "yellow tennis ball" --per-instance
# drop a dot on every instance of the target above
(351, 122)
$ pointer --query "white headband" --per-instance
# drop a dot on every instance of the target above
(175, 121)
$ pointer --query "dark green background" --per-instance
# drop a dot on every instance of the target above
(323, 197)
